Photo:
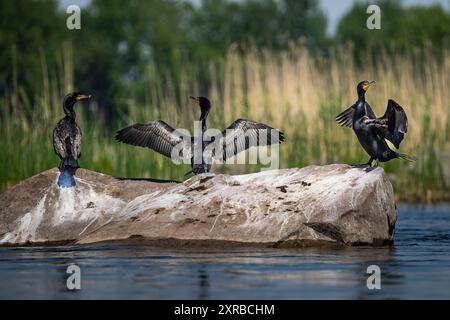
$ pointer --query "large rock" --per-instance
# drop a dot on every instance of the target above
(316, 205)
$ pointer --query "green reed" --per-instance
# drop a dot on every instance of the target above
(291, 91)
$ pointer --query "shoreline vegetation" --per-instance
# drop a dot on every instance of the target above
(291, 90)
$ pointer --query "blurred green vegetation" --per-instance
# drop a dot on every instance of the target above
(142, 59)
(401, 28)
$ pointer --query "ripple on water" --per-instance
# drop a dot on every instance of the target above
(415, 267)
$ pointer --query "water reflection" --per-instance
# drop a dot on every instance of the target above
(203, 283)
(416, 267)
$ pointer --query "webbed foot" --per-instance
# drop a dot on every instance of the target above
(364, 165)
(377, 164)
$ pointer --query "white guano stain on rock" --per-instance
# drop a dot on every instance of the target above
(155, 200)
(73, 204)
(27, 225)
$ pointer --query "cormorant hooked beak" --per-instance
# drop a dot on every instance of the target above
(367, 85)
(80, 97)
(197, 101)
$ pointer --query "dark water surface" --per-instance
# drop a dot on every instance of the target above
(417, 266)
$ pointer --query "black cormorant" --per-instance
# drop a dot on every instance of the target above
(372, 131)
(67, 140)
(239, 136)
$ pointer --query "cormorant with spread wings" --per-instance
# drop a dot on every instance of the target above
(162, 138)
(372, 131)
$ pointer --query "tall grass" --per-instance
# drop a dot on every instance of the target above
(292, 91)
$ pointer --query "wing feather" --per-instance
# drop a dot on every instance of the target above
(76, 145)
(243, 134)
(397, 123)
(345, 118)
(156, 135)
(58, 144)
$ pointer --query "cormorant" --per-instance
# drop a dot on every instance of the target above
(162, 138)
(67, 140)
(372, 131)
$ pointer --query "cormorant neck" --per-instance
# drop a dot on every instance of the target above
(68, 110)
(360, 105)
(203, 117)
(72, 115)
(361, 96)
(203, 124)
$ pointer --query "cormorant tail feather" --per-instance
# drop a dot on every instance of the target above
(68, 162)
(406, 157)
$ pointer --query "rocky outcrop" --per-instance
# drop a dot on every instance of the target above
(316, 205)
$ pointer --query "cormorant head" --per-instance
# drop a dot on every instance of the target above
(363, 86)
(204, 104)
(72, 98)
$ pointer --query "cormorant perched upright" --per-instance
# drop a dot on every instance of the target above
(67, 140)
(372, 131)
(162, 138)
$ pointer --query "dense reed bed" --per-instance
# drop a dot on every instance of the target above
(292, 91)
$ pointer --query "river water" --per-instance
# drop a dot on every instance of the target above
(417, 266)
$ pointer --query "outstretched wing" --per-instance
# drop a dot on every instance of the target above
(156, 135)
(243, 134)
(345, 118)
(397, 123)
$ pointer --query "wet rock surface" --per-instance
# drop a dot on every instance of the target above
(315, 205)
